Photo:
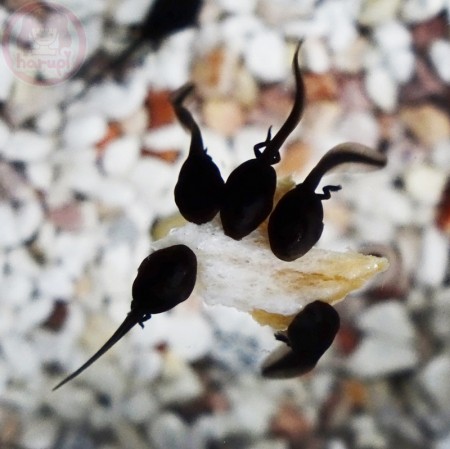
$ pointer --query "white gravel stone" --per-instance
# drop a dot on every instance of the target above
(28, 219)
(236, 30)
(175, 50)
(373, 12)
(49, 121)
(434, 378)
(140, 406)
(168, 430)
(73, 402)
(360, 126)
(440, 54)
(266, 57)
(130, 12)
(376, 356)
(31, 316)
(167, 137)
(392, 35)
(441, 315)
(22, 360)
(414, 11)
(118, 101)
(84, 130)
(6, 77)
(136, 123)
(28, 146)
(315, 55)
(4, 135)
(121, 155)
(9, 236)
(425, 183)
(338, 19)
(189, 334)
(237, 6)
(401, 64)
(39, 433)
(389, 320)
(433, 265)
(40, 175)
(16, 288)
(55, 282)
(381, 88)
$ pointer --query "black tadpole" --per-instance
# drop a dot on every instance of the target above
(307, 338)
(199, 189)
(165, 278)
(296, 223)
(249, 190)
(164, 18)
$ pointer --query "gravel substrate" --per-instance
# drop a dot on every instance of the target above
(87, 184)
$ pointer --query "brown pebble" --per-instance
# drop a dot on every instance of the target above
(223, 115)
(425, 33)
(427, 123)
(424, 86)
(57, 317)
(159, 108)
(274, 105)
(169, 155)
(352, 93)
(290, 423)
(347, 338)
(356, 392)
(207, 71)
(294, 159)
(68, 217)
(320, 87)
(443, 210)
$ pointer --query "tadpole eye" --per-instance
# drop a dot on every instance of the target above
(309, 335)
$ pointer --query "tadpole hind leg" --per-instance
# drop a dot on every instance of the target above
(257, 148)
(145, 318)
(282, 336)
(326, 195)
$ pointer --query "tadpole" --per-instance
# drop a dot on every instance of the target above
(165, 278)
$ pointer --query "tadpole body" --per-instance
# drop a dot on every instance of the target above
(307, 338)
(165, 278)
(199, 189)
(296, 223)
(250, 188)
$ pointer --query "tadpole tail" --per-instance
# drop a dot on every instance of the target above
(129, 322)
(348, 152)
(297, 109)
(185, 117)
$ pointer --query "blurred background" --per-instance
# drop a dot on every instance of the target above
(89, 155)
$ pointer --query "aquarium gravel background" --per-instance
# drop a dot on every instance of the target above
(86, 185)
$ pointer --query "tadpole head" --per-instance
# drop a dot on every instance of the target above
(248, 198)
(165, 278)
(313, 330)
(295, 224)
(199, 190)
(309, 335)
